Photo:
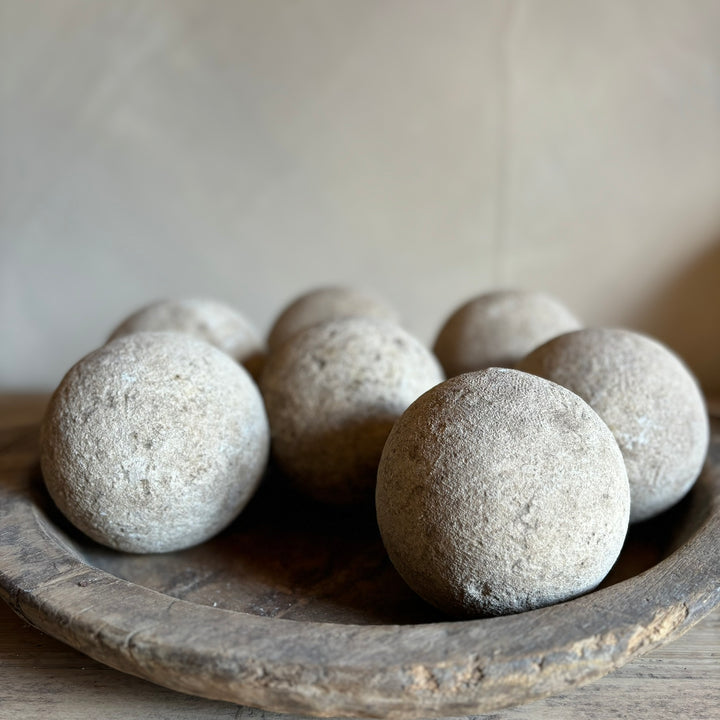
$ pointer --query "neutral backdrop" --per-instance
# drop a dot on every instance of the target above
(249, 151)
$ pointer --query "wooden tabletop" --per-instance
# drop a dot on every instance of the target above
(41, 677)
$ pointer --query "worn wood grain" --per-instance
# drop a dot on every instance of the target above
(42, 677)
(301, 665)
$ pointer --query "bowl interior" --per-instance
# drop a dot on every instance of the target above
(286, 557)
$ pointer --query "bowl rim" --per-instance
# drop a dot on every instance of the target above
(438, 669)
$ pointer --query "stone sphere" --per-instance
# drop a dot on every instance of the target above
(212, 321)
(332, 394)
(647, 397)
(498, 329)
(500, 492)
(154, 442)
(323, 304)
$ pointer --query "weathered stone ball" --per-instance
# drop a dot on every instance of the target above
(332, 394)
(500, 492)
(323, 304)
(647, 397)
(210, 320)
(154, 442)
(498, 329)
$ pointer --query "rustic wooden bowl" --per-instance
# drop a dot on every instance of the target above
(292, 609)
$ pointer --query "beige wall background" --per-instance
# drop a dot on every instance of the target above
(431, 150)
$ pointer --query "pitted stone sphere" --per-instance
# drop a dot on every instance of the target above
(212, 321)
(323, 304)
(498, 329)
(154, 442)
(500, 492)
(647, 397)
(332, 394)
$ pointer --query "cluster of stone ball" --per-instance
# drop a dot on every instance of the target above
(508, 486)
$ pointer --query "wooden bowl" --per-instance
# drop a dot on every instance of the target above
(297, 609)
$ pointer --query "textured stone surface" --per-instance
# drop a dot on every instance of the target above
(500, 492)
(332, 394)
(648, 398)
(154, 442)
(498, 329)
(212, 321)
(323, 304)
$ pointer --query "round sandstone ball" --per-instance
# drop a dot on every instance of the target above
(498, 329)
(212, 321)
(154, 442)
(500, 492)
(323, 304)
(332, 394)
(647, 397)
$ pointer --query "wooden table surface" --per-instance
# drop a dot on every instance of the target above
(41, 677)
